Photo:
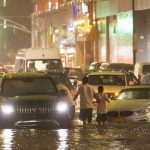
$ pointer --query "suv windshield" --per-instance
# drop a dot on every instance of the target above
(15, 87)
(118, 80)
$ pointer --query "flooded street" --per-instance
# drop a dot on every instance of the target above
(114, 136)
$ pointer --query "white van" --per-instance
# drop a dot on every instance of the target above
(38, 59)
(140, 69)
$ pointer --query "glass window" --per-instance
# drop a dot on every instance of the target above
(126, 95)
(49, 65)
(117, 80)
(135, 94)
(146, 69)
(28, 87)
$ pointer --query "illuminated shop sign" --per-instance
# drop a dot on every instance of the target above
(79, 9)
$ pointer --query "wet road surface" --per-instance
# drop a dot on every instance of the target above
(114, 136)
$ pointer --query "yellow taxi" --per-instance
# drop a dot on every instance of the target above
(132, 104)
(113, 81)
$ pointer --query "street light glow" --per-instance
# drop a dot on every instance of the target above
(5, 24)
(4, 3)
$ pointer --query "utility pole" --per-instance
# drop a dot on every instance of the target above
(107, 40)
(134, 33)
(13, 24)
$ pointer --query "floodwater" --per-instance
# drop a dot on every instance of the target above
(114, 136)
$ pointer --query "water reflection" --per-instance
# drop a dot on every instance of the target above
(7, 139)
(62, 139)
(113, 136)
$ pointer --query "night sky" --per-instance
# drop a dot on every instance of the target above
(12, 39)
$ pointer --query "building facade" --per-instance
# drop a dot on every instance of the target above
(65, 25)
(123, 30)
(87, 30)
(15, 27)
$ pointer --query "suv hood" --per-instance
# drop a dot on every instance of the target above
(30, 98)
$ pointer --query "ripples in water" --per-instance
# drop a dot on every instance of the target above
(116, 136)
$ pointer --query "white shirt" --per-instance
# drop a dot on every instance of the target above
(86, 93)
(102, 100)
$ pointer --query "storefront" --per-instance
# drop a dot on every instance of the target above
(123, 30)
(55, 24)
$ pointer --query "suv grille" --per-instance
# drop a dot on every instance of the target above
(27, 110)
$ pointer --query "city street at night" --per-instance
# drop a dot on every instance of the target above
(74, 74)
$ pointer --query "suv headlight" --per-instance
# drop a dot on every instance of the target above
(7, 109)
(62, 107)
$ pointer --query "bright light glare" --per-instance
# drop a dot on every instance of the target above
(116, 94)
(7, 139)
(62, 107)
(7, 109)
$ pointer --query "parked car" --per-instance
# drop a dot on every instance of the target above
(140, 69)
(75, 75)
(31, 99)
(132, 103)
(73, 72)
(121, 66)
(113, 81)
(10, 68)
(94, 66)
(104, 66)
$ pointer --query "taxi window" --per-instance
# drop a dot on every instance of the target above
(118, 80)
(126, 95)
(146, 69)
(132, 94)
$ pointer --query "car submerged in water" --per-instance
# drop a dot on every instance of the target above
(132, 104)
(32, 100)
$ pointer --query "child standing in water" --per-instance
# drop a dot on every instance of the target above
(101, 99)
